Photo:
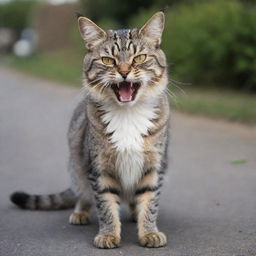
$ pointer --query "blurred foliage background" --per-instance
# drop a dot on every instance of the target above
(15, 14)
(210, 46)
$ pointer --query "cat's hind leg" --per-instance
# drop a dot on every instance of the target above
(133, 213)
(81, 214)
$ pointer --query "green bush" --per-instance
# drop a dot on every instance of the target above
(15, 14)
(211, 42)
(121, 11)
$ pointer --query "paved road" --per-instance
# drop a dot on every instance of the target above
(208, 205)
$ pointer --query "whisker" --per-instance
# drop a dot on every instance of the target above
(105, 86)
(97, 85)
(178, 87)
(174, 98)
(178, 82)
(94, 81)
(171, 94)
(84, 89)
(88, 84)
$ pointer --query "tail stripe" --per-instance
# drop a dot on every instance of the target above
(63, 200)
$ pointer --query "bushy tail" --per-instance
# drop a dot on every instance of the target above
(63, 200)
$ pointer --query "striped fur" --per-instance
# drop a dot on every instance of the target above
(118, 148)
(63, 200)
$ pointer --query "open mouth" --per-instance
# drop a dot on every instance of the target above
(125, 91)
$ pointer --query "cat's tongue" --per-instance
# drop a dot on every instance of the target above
(125, 91)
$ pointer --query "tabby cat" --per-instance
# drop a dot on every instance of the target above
(118, 134)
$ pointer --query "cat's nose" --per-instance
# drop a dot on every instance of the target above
(124, 69)
(124, 73)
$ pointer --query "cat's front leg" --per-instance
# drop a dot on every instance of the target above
(147, 197)
(107, 196)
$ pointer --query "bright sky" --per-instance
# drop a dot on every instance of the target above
(51, 1)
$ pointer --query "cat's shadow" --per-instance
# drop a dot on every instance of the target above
(171, 225)
(55, 224)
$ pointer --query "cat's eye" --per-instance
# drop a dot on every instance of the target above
(108, 61)
(140, 58)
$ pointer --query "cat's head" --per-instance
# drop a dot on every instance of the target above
(124, 65)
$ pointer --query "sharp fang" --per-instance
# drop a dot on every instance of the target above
(117, 85)
(131, 85)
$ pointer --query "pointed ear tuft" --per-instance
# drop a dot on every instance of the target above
(164, 9)
(92, 34)
(78, 15)
(153, 29)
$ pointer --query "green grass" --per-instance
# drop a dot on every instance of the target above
(65, 67)
(61, 66)
(239, 161)
(217, 103)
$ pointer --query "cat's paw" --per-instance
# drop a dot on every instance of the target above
(106, 241)
(79, 218)
(153, 240)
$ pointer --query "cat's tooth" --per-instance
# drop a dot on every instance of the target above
(117, 85)
(131, 85)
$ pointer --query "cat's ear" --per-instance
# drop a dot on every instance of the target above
(90, 32)
(153, 29)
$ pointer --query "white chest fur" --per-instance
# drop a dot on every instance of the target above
(128, 125)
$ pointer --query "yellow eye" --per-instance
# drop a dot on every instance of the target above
(108, 61)
(140, 58)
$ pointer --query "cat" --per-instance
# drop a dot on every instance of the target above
(118, 135)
